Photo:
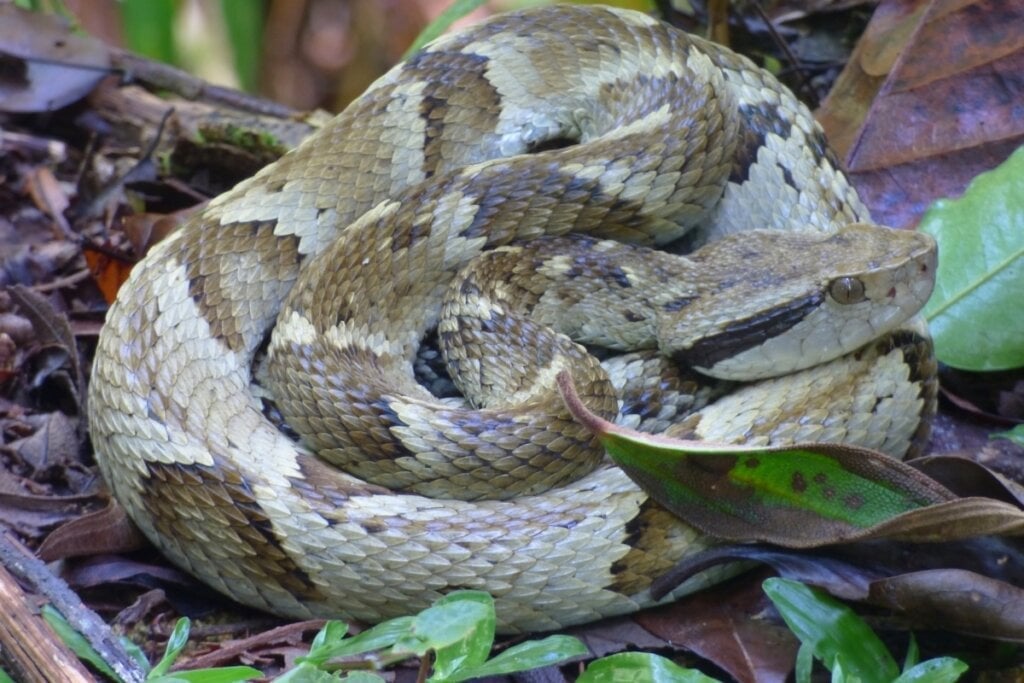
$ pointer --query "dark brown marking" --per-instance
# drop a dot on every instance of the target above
(223, 278)
(748, 333)
(820, 478)
(752, 463)
(799, 482)
(633, 316)
(854, 501)
(646, 535)
(456, 83)
(214, 507)
(678, 304)
(758, 120)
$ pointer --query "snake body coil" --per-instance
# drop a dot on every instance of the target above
(543, 122)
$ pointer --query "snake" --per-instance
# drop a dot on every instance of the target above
(516, 142)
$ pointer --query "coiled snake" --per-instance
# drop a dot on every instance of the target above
(542, 122)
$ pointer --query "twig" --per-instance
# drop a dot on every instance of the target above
(231, 650)
(162, 76)
(29, 647)
(805, 81)
(33, 572)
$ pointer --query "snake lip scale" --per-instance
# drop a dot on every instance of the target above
(458, 152)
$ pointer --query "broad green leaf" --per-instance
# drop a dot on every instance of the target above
(532, 654)
(798, 496)
(459, 628)
(938, 670)
(5, 677)
(832, 629)
(974, 313)
(379, 637)
(455, 11)
(76, 641)
(224, 674)
(639, 667)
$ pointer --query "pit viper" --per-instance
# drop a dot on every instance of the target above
(527, 136)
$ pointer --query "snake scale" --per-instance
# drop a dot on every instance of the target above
(528, 126)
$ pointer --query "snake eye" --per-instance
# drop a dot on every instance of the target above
(846, 290)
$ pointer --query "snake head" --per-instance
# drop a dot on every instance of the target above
(798, 299)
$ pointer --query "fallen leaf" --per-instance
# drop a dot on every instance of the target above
(959, 600)
(947, 106)
(45, 65)
(726, 625)
(104, 531)
(796, 496)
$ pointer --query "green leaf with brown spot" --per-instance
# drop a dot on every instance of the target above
(799, 496)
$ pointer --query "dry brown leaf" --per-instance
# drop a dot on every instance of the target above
(948, 103)
(726, 626)
(103, 531)
(961, 601)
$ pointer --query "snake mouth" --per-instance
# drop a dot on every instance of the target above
(745, 334)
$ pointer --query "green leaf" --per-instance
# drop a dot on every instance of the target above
(306, 673)
(362, 677)
(76, 641)
(450, 15)
(244, 22)
(332, 632)
(797, 496)
(532, 654)
(981, 271)
(938, 670)
(804, 663)
(913, 654)
(5, 677)
(1015, 435)
(224, 674)
(459, 628)
(135, 652)
(175, 644)
(832, 629)
(639, 667)
(379, 637)
(149, 28)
